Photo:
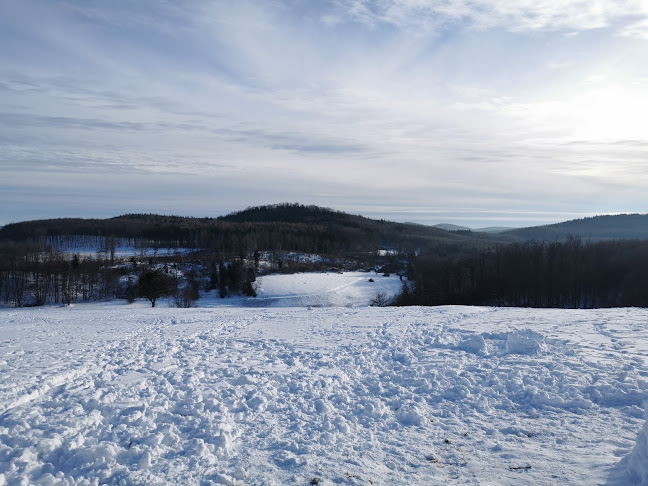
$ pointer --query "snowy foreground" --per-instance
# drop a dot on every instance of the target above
(118, 394)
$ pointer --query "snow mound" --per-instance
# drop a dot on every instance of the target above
(525, 342)
(638, 460)
(475, 344)
(409, 413)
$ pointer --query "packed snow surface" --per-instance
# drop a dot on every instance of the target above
(118, 394)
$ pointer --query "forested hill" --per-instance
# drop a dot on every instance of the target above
(296, 213)
(597, 228)
(341, 221)
(277, 227)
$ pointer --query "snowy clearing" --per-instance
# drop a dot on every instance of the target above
(348, 289)
(118, 394)
(314, 289)
(343, 289)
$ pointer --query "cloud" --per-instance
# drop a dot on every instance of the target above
(638, 30)
(514, 16)
(15, 120)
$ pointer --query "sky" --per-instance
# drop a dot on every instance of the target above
(473, 112)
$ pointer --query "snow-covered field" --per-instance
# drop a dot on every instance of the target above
(348, 289)
(119, 394)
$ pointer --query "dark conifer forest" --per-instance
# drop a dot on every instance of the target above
(568, 274)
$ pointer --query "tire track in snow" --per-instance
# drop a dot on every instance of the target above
(81, 371)
(51, 383)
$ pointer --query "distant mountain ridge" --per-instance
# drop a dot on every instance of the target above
(452, 227)
(596, 228)
(456, 227)
(494, 229)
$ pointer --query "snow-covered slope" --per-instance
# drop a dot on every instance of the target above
(118, 394)
(349, 289)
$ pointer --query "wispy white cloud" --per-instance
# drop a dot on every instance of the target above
(638, 30)
(515, 16)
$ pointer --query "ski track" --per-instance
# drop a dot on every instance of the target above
(451, 395)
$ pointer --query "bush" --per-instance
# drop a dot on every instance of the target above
(380, 300)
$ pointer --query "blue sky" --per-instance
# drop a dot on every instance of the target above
(476, 112)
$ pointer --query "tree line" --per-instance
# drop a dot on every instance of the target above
(31, 277)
